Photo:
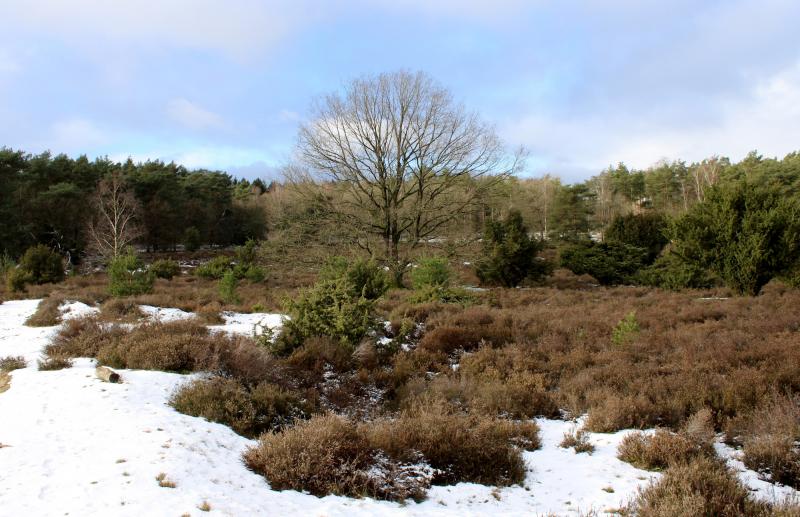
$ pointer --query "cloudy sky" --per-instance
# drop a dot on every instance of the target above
(581, 83)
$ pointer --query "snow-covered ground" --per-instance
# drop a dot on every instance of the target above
(73, 445)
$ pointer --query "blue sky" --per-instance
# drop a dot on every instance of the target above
(581, 84)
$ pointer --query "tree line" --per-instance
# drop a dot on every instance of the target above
(51, 200)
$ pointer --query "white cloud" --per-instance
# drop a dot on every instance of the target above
(192, 116)
(765, 119)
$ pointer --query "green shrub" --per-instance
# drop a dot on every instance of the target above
(6, 263)
(327, 309)
(509, 253)
(744, 233)
(128, 276)
(42, 265)
(191, 239)
(215, 268)
(251, 272)
(16, 279)
(646, 231)
(164, 268)
(431, 272)
(671, 272)
(365, 277)
(248, 253)
(610, 263)
(626, 330)
(227, 288)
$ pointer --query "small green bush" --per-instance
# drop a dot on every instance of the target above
(164, 268)
(227, 288)
(191, 239)
(42, 265)
(510, 254)
(365, 277)
(251, 272)
(16, 279)
(610, 263)
(248, 253)
(215, 268)
(128, 276)
(431, 272)
(327, 309)
(626, 330)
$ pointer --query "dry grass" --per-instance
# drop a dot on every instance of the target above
(47, 313)
(54, 363)
(164, 481)
(659, 450)
(120, 310)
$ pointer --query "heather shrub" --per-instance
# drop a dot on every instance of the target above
(11, 363)
(115, 309)
(164, 268)
(47, 313)
(42, 265)
(127, 276)
(331, 455)
(702, 487)
(461, 447)
(509, 253)
(660, 450)
(577, 439)
(54, 363)
(772, 440)
(248, 411)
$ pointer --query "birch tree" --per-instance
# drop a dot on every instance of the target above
(114, 226)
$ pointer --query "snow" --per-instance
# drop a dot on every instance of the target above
(759, 488)
(249, 324)
(73, 445)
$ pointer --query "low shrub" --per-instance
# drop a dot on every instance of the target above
(42, 264)
(192, 239)
(577, 439)
(120, 309)
(165, 269)
(365, 277)
(772, 440)
(431, 272)
(626, 330)
(128, 277)
(48, 313)
(326, 309)
(659, 450)
(248, 411)
(647, 231)
(703, 486)
(11, 363)
(227, 288)
(331, 455)
(54, 363)
(610, 263)
(16, 279)
(460, 447)
(215, 268)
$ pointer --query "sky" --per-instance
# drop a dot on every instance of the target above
(581, 84)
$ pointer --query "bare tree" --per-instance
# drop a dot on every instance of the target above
(705, 175)
(403, 156)
(113, 227)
